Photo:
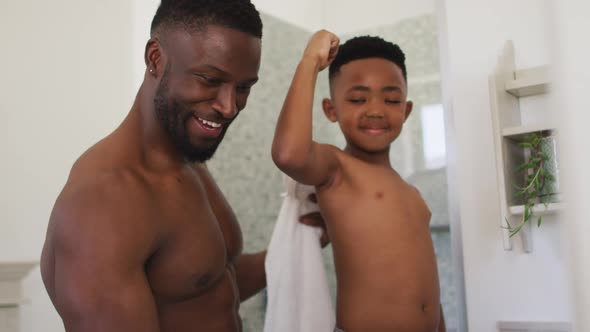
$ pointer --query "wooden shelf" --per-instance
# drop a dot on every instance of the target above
(504, 326)
(507, 85)
(539, 209)
(529, 82)
(11, 303)
(514, 132)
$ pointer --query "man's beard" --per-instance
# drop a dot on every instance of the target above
(173, 117)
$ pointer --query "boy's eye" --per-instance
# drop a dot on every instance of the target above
(356, 101)
(392, 101)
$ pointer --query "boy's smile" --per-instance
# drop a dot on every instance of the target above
(374, 126)
(369, 103)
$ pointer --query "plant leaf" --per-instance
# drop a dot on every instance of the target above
(521, 168)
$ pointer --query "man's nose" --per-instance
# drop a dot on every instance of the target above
(225, 103)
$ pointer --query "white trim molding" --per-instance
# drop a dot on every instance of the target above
(11, 296)
(11, 275)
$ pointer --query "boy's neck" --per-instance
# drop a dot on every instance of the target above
(380, 158)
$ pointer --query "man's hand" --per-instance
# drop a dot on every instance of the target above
(322, 47)
(315, 219)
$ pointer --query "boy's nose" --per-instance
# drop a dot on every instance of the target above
(374, 109)
(374, 112)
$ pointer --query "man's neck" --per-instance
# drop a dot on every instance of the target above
(158, 152)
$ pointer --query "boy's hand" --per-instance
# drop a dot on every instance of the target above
(322, 47)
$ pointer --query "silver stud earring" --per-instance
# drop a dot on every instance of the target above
(151, 71)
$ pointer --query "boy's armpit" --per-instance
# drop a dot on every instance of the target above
(327, 163)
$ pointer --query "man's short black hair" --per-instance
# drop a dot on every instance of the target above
(195, 15)
(364, 47)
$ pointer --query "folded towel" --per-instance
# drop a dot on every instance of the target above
(298, 293)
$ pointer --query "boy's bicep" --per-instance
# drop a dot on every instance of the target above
(322, 166)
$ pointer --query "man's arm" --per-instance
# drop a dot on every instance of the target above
(250, 274)
(293, 150)
(100, 250)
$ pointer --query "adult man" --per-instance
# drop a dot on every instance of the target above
(141, 238)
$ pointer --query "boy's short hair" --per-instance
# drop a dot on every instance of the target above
(364, 47)
(195, 15)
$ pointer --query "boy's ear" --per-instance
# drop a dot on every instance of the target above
(329, 110)
(409, 108)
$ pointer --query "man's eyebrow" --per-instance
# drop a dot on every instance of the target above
(217, 69)
(222, 72)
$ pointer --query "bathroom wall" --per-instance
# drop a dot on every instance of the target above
(344, 17)
(500, 285)
(572, 74)
(66, 82)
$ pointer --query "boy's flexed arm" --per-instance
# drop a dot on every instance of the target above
(293, 149)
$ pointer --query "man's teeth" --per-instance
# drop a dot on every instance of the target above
(210, 123)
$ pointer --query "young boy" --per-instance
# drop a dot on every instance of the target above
(378, 224)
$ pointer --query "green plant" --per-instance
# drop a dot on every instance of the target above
(536, 180)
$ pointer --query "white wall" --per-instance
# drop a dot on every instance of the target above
(499, 285)
(344, 17)
(573, 74)
(143, 12)
(66, 82)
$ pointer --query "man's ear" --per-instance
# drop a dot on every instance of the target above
(409, 108)
(328, 106)
(153, 56)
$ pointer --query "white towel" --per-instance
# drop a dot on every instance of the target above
(298, 294)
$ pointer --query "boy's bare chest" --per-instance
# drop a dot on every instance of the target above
(372, 193)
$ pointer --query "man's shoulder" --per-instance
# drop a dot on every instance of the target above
(110, 202)
(104, 188)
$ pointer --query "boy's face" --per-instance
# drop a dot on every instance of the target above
(369, 102)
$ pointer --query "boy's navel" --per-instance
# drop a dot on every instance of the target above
(379, 195)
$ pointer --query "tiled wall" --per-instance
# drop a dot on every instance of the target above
(251, 182)
(243, 166)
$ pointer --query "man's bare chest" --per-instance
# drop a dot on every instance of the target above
(196, 245)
